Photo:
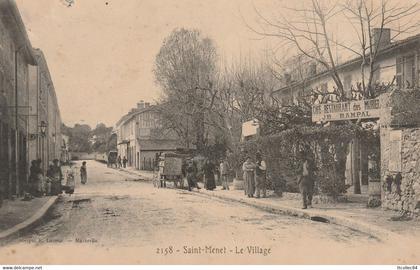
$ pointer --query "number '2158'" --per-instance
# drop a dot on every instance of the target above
(165, 251)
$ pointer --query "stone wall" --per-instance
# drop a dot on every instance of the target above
(400, 152)
(407, 196)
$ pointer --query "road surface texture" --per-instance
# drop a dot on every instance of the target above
(116, 218)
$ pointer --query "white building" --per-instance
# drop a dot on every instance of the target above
(136, 139)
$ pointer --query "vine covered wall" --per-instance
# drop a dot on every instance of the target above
(326, 146)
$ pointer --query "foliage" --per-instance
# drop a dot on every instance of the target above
(274, 118)
(405, 107)
(185, 68)
(83, 139)
(327, 146)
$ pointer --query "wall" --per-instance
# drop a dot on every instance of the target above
(33, 136)
(400, 151)
(49, 146)
(15, 57)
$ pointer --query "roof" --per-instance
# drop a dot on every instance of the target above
(394, 46)
(133, 113)
(11, 16)
(158, 145)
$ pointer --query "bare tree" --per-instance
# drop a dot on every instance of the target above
(306, 28)
(370, 20)
(185, 68)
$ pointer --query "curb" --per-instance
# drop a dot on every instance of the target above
(27, 224)
(375, 231)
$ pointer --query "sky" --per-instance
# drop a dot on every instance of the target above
(101, 53)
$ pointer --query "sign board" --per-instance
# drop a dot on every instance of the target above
(250, 128)
(359, 109)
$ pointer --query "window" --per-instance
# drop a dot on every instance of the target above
(405, 72)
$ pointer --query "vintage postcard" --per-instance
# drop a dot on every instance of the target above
(180, 132)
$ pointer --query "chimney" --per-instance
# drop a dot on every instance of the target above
(383, 39)
(147, 104)
(140, 104)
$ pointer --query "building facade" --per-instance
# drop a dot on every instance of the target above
(19, 102)
(16, 56)
(136, 140)
(46, 141)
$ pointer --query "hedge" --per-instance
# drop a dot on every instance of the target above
(327, 146)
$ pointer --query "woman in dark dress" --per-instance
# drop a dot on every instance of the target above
(209, 171)
(83, 173)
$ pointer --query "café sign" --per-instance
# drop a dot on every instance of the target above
(359, 109)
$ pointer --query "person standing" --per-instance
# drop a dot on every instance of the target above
(306, 182)
(191, 172)
(125, 162)
(249, 176)
(224, 173)
(209, 170)
(261, 176)
(83, 173)
(35, 179)
(119, 164)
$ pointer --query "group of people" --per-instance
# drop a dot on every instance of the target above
(209, 171)
(51, 184)
(40, 185)
(255, 177)
(122, 163)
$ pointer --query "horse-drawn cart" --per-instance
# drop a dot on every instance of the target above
(170, 169)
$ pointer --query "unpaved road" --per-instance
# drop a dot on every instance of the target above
(116, 219)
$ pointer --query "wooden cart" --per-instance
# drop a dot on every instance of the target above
(170, 169)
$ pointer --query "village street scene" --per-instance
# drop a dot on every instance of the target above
(206, 132)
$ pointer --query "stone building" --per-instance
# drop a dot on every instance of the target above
(397, 67)
(24, 112)
(16, 56)
(137, 139)
(45, 126)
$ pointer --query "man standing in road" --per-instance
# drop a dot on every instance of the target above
(224, 173)
(260, 176)
(119, 164)
(306, 181)
(125, 162)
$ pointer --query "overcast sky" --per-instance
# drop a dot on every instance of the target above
(101, 55)
(101, 52)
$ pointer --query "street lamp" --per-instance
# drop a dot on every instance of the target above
(43, 127)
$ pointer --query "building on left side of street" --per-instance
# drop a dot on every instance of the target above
(21, 125)
(16, 56)
(46, 141)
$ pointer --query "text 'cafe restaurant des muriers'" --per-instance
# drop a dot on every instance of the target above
(394, 114)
